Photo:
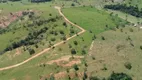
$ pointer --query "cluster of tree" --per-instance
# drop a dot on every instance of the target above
(14, 0)
(31, 39)
(3, 1)
(37, 1)
(132, 10)
(41, 22)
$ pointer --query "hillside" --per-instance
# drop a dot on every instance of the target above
(70, 40)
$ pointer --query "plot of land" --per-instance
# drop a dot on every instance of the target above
(115, 51)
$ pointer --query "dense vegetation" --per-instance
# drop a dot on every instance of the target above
(132, 10)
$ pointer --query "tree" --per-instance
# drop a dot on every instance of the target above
(72, 4)
(31, 51)
(36, 46)
(76, 68)
(65, 24)
(75, 42)
(73, 51)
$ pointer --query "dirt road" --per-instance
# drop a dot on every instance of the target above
(46, 50)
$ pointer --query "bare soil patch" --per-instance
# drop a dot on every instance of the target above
(66, 62)
(6, 20)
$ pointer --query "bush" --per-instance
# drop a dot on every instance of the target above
(73, 51)
(83, 52)
(75, 42)
(141, 47)
(128, 65)
(76, 67)
(65, 24)
(103, 38)
(31, 51)
(119, 76)
(72, 4)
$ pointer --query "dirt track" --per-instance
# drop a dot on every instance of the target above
(47, 49)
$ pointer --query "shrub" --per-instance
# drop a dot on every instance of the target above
(31, 51)
(103, 38)
(76, 67)
(73, 51)
(72, 4)
(119, 76)
(75, 42)
(141, 47)
(65, 24)
(83, 52)
(128, 65)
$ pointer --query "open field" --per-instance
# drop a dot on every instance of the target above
(115, 51)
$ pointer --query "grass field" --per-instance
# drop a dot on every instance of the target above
(115, 51)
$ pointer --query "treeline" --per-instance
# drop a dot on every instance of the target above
(37, 1)
(32, 38)
(4, 1)
(132, 10)
(33, 1)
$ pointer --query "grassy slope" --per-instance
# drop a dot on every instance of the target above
(91, 18)
(88, 19)
(9, 58)
(106, 53)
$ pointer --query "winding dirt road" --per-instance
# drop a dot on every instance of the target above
(47, 49)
